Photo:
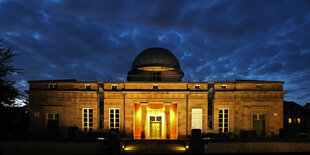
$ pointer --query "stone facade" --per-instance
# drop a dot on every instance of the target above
(251, 106)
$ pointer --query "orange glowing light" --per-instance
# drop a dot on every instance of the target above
(137, 128)
(129, 148)
(156, 68)
(180, 148)
(173, 121)
(155, 109)
(155, 106)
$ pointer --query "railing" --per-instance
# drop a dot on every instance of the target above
(186, 78)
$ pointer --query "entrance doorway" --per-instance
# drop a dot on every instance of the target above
(53, 125)
(259, 121)
(155, 127)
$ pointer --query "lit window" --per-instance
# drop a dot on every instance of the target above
(155, 118)
(114, 118)
(87, 86)
(53, 86)
(224, 86)
(155, 86)
(298, 120)
(197, 119)
(87, 119)
(290, 120)
(223, 120)
(114, 87)
(197, 86)
(259, 86)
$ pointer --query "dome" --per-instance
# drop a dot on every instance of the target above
(155, 64)
(156, 57)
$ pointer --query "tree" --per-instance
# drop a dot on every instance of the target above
(8, 93)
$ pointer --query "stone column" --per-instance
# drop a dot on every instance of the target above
(143, 119)
(167, 119)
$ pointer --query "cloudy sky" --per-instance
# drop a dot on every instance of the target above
(93, 40)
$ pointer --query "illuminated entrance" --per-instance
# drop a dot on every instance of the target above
(155, 120)
(155, 127)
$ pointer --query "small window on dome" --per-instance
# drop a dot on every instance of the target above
(155, 76)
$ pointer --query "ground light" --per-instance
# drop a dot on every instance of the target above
(100, 138)
(177, 148)
(181, 148)
(187, 148)
(128, 148)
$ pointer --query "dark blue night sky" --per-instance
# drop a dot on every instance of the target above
(91, 40)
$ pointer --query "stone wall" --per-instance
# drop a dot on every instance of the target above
(67, 100)
(243, 99)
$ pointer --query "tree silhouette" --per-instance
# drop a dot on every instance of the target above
(8, 93)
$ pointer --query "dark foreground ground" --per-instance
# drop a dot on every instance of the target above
(127, 146)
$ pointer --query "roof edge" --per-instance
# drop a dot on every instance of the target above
(59, 80)
(240, 80)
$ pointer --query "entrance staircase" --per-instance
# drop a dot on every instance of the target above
(154, 147)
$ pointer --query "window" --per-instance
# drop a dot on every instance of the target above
(87, 119)
(224, 86)
(289, 120)
(114, 118)
(36, 114)
(114, 87)
(223, 120)
(298, 120)
(52, 86)
(53, 116)
(197, 86)
(155, 119)
(259, 86)
(258, 117)
(87, 86)
(155, 86)
(197, 119)
(155, 76)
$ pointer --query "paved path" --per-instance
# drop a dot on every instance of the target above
(154, 147)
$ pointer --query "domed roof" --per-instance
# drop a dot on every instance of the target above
(156, 57)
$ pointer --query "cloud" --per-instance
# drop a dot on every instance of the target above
(264, 40)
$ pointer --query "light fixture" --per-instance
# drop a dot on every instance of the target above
(156, 68)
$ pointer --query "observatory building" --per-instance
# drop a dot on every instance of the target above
(154, 103)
